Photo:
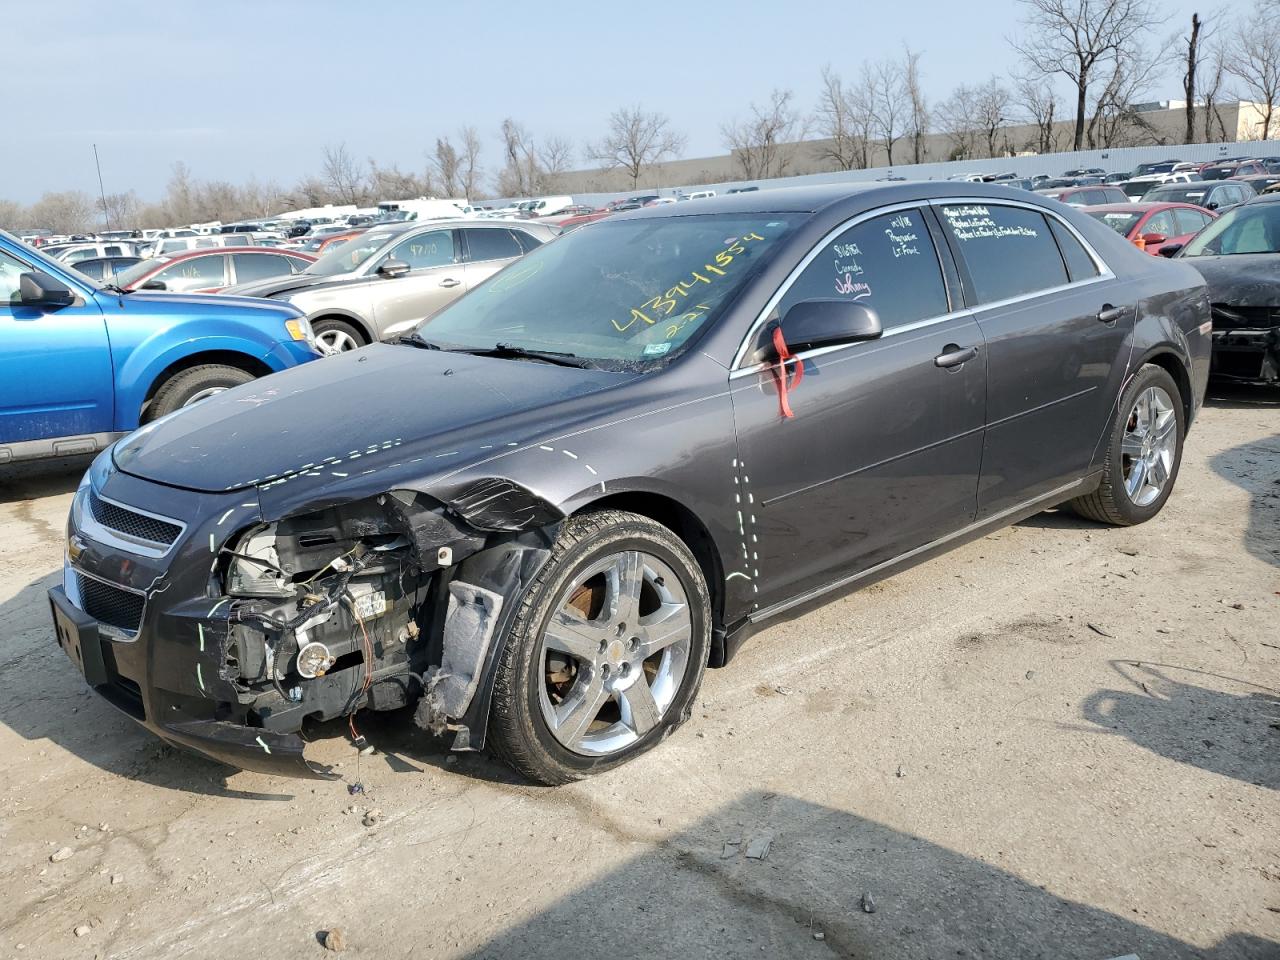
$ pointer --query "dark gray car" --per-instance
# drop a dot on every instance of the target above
(539, 519)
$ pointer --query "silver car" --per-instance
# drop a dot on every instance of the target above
(382, 283)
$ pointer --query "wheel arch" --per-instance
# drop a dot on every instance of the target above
(364, 327)
(686, 525)
(1172, 363)
(229, 358)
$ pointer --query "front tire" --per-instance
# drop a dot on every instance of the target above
(1144, 452)
(606, 652)
(193, 385)
(337, 336)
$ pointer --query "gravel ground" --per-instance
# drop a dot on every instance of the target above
(1061, 741)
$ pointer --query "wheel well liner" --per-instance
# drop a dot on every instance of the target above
(229, 358)
(685, 524)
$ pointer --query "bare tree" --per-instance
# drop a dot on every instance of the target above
(118, 209)
(470, 163)
(1253, 57)
(1114, 122)
(13, 216)
(1191, 62)
(552, 159)
(1074, 38)
(991, 103)
(1036, 99)
(757, 142)
(637, 139)
(68, 212)
(516, 179)
(1214, 79)
(918, 116)
(887, 100)
(392, 183)
(959, 123)
(843, 142)
(341, 174)
(446, 166)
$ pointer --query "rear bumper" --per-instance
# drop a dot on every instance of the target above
(180, 713)
(1246, 355)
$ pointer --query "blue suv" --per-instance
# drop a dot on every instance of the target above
(82, 363)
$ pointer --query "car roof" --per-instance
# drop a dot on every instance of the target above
(220, 251)
(1139, 206)
(1264, 198)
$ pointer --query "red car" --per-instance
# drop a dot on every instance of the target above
(571, 223)
(213, 269)
(1087, 196)
(1155, 224)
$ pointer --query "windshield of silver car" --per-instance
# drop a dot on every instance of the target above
(1253, 228)
(624, 290)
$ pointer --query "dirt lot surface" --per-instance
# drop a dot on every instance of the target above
(1062, 741)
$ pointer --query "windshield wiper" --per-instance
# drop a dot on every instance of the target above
(416, 339)
(114, 289)
(510, 350)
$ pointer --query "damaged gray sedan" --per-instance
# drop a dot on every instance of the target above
(533, 523)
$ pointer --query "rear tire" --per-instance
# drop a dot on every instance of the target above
(593, 673)
(1144, 451)
(337, 336)
(193, 385)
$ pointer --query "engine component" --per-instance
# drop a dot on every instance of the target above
(313, 660)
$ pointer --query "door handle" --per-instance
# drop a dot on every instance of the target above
(953, 355)
(449, 282)
(1110, 314)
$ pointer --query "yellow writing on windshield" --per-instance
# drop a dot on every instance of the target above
(663, 305)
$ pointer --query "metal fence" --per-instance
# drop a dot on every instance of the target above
(1115, 160)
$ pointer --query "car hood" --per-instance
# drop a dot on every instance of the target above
(356, 413)
(1246, 280)
(140, 302)
(278, 286)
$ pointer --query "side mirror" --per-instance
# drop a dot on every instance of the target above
(38, 289)
(393, 268)
(155, 285)
(1170, 249)
(1211, 205)
(822, 323)
(1153, 238)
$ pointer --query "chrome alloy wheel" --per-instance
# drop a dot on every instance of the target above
(205, 394)
(333, 342)
(1148, 447)
(614, 653)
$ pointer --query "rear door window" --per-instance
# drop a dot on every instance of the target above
(1008, 251)
(259, 266)
(491, 244)
(1080, 265)
(887, 263)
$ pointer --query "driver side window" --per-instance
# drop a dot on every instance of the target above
(434, 249)
(11, 271)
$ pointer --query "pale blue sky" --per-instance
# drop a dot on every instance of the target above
(238, 88)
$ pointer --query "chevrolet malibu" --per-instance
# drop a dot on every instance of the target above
(538, 518)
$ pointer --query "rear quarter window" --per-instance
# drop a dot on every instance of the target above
(1007, 251)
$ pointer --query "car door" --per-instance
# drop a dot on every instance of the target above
(883, 451)
(435, 277)
(55, 364)
(488, 250)
(1055, 322)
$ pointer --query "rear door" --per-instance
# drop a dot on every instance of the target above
(882, 454)
(1055, 322)
(55, 365)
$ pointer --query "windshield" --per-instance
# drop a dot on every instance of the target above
(1253, 228)
(1120, 222)
(126, 278)
(350, 255)
(629, 291)
(1216, 173)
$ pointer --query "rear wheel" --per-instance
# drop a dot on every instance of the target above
(606, 653)
(193, 385)
(337, 336)
(1144, 452)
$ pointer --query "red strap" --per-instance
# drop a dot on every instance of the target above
(779, 371)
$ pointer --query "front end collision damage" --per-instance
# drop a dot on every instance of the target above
(387, 602)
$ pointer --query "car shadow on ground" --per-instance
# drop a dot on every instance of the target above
(41, 478)
(1163, 709)
(1252, 467)
(1242, 396)
(832, 884)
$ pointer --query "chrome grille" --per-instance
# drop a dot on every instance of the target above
(112, 605)
(130, 523)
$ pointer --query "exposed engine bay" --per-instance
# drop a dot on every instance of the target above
(359, 606)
